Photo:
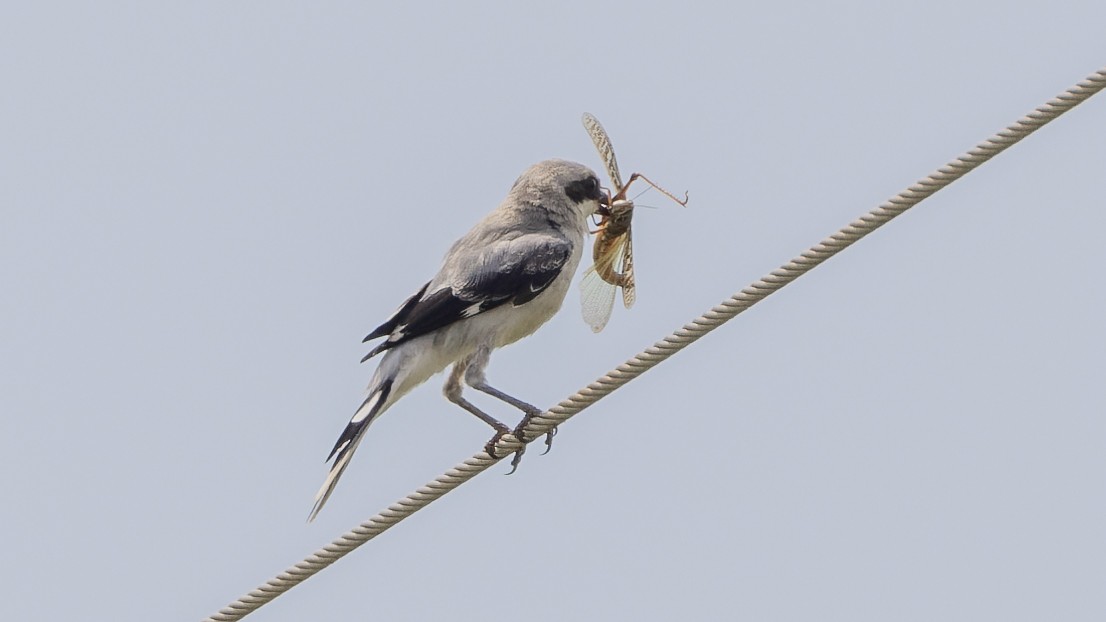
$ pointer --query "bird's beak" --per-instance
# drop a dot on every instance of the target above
(604, 206)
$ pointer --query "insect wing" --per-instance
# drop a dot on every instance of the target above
(624, 264)
(597, 299)
(596, 293)
(606, 150)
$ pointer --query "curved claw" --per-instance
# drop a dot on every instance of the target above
(489, 447)
(549, 439)
(520, 433)
(517, 459)
(520, 430)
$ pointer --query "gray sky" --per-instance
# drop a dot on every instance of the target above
(206, 207)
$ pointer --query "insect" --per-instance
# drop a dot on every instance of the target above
(613, 251)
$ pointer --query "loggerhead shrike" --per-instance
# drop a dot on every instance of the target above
(497, 284)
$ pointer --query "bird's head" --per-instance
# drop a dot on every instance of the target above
(561, 185)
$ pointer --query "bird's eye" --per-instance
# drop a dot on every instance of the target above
(581, 190)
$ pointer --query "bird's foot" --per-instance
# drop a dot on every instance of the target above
(489, 447)
(520, 431)
(529, 413)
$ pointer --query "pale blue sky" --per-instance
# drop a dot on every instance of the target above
(205, 207)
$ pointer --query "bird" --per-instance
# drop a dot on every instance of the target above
(497, 284)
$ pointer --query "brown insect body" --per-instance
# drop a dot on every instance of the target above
(612, 228)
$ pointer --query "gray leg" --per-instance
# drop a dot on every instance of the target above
(529, 409)
(474, 377)
(452, 391)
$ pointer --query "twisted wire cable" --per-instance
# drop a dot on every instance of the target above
(666, 347)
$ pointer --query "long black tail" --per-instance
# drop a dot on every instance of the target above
(347, 443)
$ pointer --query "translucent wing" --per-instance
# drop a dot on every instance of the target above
(596, 293)
(597, 299)
(606, 150)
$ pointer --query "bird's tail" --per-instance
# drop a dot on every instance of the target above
(347, 443)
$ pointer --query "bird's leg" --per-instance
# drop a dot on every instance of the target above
(529, 410)
(474, 377)
(452, 391)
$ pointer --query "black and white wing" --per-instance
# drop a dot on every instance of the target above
(506, 272)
